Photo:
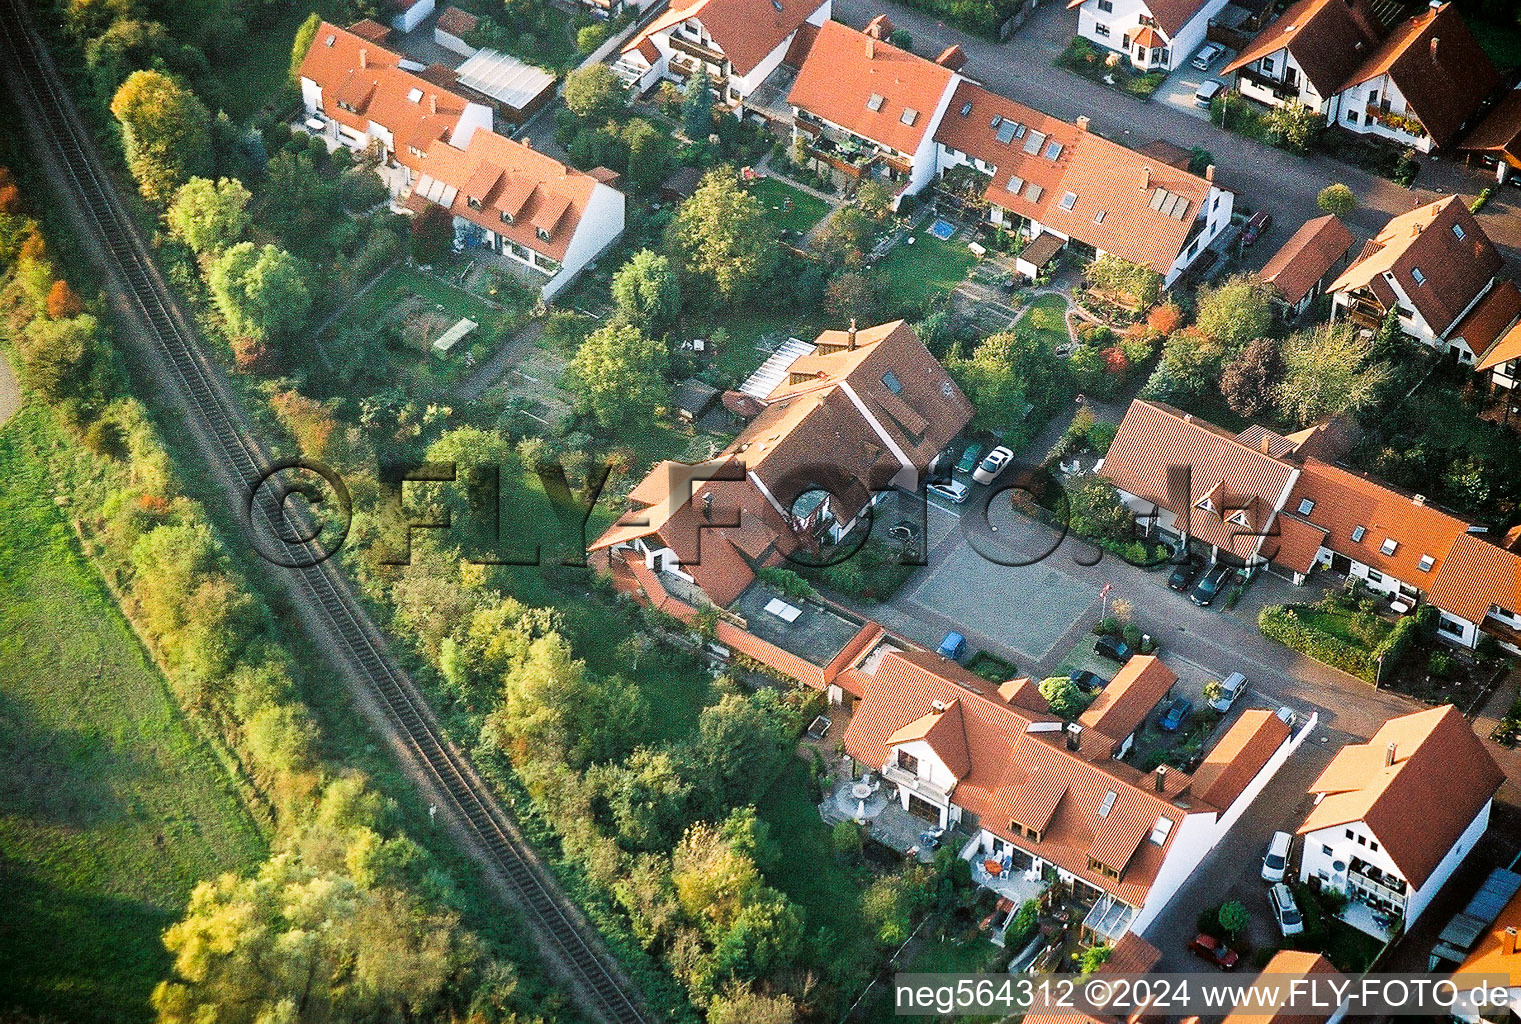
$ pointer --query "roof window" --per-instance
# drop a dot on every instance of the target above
(910, 115)
(875, 101)
(1008, 131)
(1161, 830)
(1458, 232)
(891, 382)
(1034, 141)
(414, 96)
(1068, 201)
(1417, 275)
(1306, 506)
(1053, 150)
(1357, 533)
(330, 40)
(1389, 546)
(1015, 184)
(966, 108)
(1427, 562)
(1098, 218)
(1108, 804)
(1033, 192)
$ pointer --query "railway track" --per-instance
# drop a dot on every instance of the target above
(242, 458)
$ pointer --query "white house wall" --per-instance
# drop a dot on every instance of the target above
(601, 224)
(1355, 100)
(1194, 836)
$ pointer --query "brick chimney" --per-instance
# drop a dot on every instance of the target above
(1082, 122)
(1209, 173)
(1389, 754)
(1145, 178)
(433, 102)
(871, 48)
(1161, 777)
(850, 336)
(1508, 942)
(364, 57)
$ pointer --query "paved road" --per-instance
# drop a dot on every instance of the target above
(10, 390)
(1262, 176)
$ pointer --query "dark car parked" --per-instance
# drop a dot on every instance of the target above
(1208, 587)
(1176, 714)
(1215, 951)
(1113, 648)
(1088, 682)
(1183, 574)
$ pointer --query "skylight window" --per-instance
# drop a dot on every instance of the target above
(1458, 232)
(1108, 804)
(1015, 184)
(414, 96)
(910, 115)
(966, 108)
(1034, 141)
(1306, 506)
(1068, 201)
(875, 101)
(891, 382)
(1427, 562)
(1033, 192)
(1053, 150)
(1389, 546)
(997, 120)
(1098, 218)
(1417, 275)
(1161, 830)
(330, 40)
(1357, 533)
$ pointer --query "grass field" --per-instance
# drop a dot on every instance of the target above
(929, 265)
(111, 809)
(1048, 316)
(791, 210)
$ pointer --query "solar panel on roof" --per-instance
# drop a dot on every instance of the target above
(1033, 192)
(1033, 142)
(1158, 197)
(1006, 132)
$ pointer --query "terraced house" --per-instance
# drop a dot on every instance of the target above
(437, 148)
(1047, 803)
(1276, 503)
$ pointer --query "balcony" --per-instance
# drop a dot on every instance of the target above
(1257, 82)
(908, 780)
(699, 53)
(1364, 313)
(1402, 124)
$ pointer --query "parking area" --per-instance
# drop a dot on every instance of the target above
(1180, 87)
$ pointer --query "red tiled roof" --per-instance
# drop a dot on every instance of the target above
(1123, 705)
(1345, 501)
(1439, 67)
(1023, 182)
(1500, 130)
(1475, 576)
(1153, 437)
(1285, 964)
(745, 30)
(1240, 755)
(456, 22)
(1328, 39)
(1506, 348)
(802, 43)
(370, 29)
(1307, 257)
(847, 71)
(1440, 768)
(1455, 270)
(1484, 325)
(1297, 543)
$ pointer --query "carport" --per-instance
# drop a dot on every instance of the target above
(1033, 259)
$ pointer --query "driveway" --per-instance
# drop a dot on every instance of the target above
(1178, 90)
(1264, 177)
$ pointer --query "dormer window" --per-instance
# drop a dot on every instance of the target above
(506, 217)
(1094, 864)
(543, 234)
(472, 202)
(416, 152)
(1389, 546)
(1427, 562)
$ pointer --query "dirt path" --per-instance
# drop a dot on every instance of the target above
(495, 368)
(10, 390)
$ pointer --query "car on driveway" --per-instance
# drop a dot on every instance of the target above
(969, 457)
(1206, 93)
(951, 490)
(1113, 648)
(1256, 226)
(953, 646)
(992, 464)
(1276, 861)
(1176, 714)
(1207, 55)
(1208, 587)
(1088, 682)
(1231, 690)
(1183, 574)
(1285, 910)
(1214, 951)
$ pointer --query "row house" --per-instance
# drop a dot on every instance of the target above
(1436, 269)
(737, 44)
(1063, 186)
(1048, 799)
(1495, 142)
(1363, 839)
(440, 149)
(1155, 35)
(1265, 501)
(1417, 85)
(1302, 270)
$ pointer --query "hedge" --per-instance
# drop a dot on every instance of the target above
(1281, 622)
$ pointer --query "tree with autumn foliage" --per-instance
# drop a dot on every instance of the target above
(166, 133)
(62, 302)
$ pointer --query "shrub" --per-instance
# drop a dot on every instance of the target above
(1440, 664)
(1282, 623)
(1132, 635)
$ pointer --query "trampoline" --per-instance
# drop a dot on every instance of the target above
(943, 230)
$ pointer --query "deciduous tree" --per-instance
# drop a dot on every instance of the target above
(594, 93)
(1249, 379)
(1236, 311)
(166, 132)
(1336, 199)
(619, 374)
(262, 292)
(724, 239)
(209, 215)
(647, 292)
(1329, 370)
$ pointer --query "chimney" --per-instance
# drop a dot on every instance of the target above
(1209, 173)
(1146, 178)
(1389, 753)
(1419, 499)
(527, 142)
(433, 102)
(871, 48)
(1508, 941)
(850, 336)
(1161, 777)
(364, 57)
(1435, 41)
(1082, 122)
(1074, 736)
(707, 505)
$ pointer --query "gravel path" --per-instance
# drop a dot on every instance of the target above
(10, 390)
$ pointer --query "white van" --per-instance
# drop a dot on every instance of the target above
(1276, 862)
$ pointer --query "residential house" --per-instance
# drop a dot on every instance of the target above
(1300, 271)
(848, 425)
(1432, 267)
(408, 14)
(1497, 951)
(1423, 84)
(1062, 186)
(1274, 1002)
(1042, 799)
(1129, 954)
(865, 108)
(1307, 54)
(1278, 503)
(439, 148)
(1502, 359)
(1416, 85)
(1496, 140)
(1120, 709)
(1394, 817)
(736, 43)
(1156, 35)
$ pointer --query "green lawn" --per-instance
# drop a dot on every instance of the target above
(791, 210)
(1048, 315)
(929, 265)
(111, 808)
(1360, 629)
